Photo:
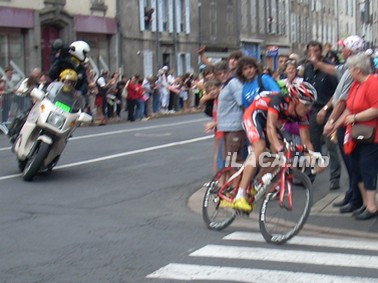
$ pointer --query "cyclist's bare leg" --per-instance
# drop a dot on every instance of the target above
(240, 202)
(250, 170)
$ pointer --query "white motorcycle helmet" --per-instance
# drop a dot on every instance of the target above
(79, 50)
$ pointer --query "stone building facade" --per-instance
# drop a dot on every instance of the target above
(141, 36)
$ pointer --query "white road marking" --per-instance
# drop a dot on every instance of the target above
(128, 130)
(188, 272)
(310, 241)
(142, 150)
(138, 129)
(301, 257)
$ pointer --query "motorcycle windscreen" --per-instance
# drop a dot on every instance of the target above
(67, 102)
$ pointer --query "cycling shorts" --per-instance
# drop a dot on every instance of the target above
(255, 125)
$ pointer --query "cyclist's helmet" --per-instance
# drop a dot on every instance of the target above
(304, 92)
(79, 49)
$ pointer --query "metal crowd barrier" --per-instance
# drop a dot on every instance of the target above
(12, 105)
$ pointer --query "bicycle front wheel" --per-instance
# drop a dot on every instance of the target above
(216, 213)
(279, 224)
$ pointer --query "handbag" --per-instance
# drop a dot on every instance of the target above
(363, 133)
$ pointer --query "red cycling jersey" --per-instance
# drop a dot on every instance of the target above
(254, 118)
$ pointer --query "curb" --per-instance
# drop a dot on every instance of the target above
(251, 222)
(123, 119)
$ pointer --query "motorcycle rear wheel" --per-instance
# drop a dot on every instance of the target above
(34, 163)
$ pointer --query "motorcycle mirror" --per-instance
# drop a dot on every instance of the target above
(37, 94)
(84, 118)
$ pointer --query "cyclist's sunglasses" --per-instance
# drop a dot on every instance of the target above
(305, 102)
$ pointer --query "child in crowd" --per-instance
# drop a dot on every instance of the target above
(212, 90)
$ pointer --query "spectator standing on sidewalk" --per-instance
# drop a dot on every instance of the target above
(119, 90)
(351, 45)
(10, 89)
(147, 95)
(2, 97)
(325, 86)
(92, 93)
(134, 93)
(101, 84)
(330, 54)
(140, 102)
(111, 90)
(232, 59)
(282, 59)
(22, 101)
(230, 111)
(164, 89)
(155, 95)
(212, 90)
(362, 109)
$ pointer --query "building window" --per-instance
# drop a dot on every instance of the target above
(12, 48)
(183, 63)
(148, 14)
(183, 16)
(99, 44)
(165, 14)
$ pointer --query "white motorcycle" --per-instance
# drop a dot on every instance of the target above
(43, 137)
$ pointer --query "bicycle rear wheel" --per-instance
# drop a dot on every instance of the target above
(279, 224)
(216, 215)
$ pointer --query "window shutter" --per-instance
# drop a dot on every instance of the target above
(161, 7)
(154, 15)
(179, 64)
(188, 63)
(147, 63)
(170, 16)
(178, 16)
(187, 16)
(141, 15)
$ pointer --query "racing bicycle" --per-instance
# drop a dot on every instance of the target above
(285, 207)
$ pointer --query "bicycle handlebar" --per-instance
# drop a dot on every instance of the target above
(313, 154)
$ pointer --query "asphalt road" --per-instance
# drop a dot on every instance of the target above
(115, 210)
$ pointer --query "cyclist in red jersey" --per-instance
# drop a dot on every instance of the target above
(263, 118)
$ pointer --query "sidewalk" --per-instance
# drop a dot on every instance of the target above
(324, 218)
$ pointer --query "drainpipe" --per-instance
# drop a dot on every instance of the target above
(157, 39)
(119, 39)
(175, 36)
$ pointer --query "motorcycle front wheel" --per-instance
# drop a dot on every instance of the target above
(34, 163)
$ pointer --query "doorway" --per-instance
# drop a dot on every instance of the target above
(49, 34)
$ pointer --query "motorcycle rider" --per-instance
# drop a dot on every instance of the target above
(78, 51)
(66, 87)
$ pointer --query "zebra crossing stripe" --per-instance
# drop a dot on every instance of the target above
(310, 241)
(188, 272)
(302, 257)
